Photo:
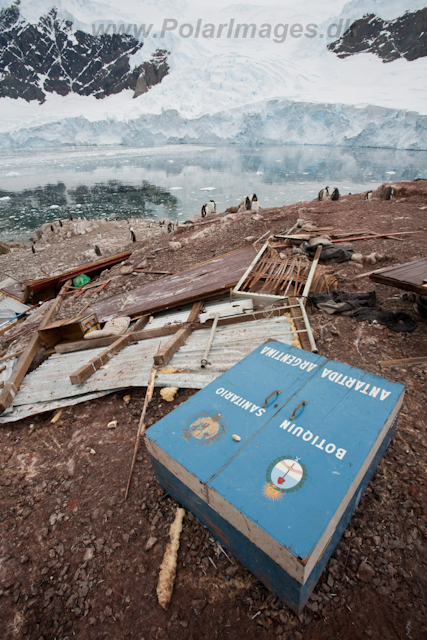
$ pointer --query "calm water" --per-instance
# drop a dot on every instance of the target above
(175, 181)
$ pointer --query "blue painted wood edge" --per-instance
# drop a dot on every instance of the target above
(294, 594)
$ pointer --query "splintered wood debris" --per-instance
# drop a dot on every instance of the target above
(273, 276)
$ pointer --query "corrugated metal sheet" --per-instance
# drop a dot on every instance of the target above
(231, 343)
(131, 367)
(25, 411)
(174, 316)
(180, 315)
(9, 308)
(51, 381)
(9, 364)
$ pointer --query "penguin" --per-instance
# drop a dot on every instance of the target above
(335, 194)
(248, 204)
(60, 223)
(212, 206)
(171, 227)
(71, 216)
(388, 193)
(33, 249)
(52, 229)
(323, 193)
(97, 250)
(254, 202)
(132, 233)
(368, 195)
(204, 210)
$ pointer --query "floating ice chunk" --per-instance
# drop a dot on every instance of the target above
(391, 172)
(5, 199)
(207, 189)
(54, 206)
(12, 174)
(175, 188)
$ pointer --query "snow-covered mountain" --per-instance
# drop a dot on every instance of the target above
(51, 56)
(181, 71)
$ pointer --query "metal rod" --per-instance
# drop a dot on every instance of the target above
(19, 315)
(307, 326)
(204, 361)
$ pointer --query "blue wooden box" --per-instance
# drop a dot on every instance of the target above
(312, 432)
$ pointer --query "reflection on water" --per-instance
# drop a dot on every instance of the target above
(175, 181)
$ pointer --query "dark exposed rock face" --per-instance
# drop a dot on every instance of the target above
(405, 37)
(51, 57)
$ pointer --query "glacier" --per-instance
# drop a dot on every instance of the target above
(234, 91)
(268, 122)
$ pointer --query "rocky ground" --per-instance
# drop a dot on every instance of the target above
(77, 561)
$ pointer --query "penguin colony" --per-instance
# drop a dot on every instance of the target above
(250, 203)
(324, 193)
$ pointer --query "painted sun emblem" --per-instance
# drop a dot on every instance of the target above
(204, 428)
(284, 475)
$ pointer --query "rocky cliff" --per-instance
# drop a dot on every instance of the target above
(50, 56)
(405, 37)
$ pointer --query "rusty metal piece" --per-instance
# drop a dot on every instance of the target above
(278, 391)
(303, 402)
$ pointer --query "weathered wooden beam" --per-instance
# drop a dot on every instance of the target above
(195, 310)
(403, 362)
(136, 336)
(168, 273)
(172, 346)
(86, 370)
(12, 355)
(12, 385)
(140, 324)
(295, 313)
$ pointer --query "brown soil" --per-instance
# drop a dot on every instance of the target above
(73, 557)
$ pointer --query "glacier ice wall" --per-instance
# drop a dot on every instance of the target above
(276, 121)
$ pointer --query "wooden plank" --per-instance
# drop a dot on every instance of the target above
(200, 282)
(10, 325)
(39, 288)
(140, 323)
(96, 343)
(194, 313)
(85, 345)
(85, 371)
(24, 362)
(165, 273)
(403, 362)
(172, 346)
(137, 336)
(299, 324)
(398, 284)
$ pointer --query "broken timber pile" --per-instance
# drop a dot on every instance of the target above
(206, 280)
(25, 360)
(47, 288)
(270, 276)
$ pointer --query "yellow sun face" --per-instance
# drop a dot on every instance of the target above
(271, 492)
